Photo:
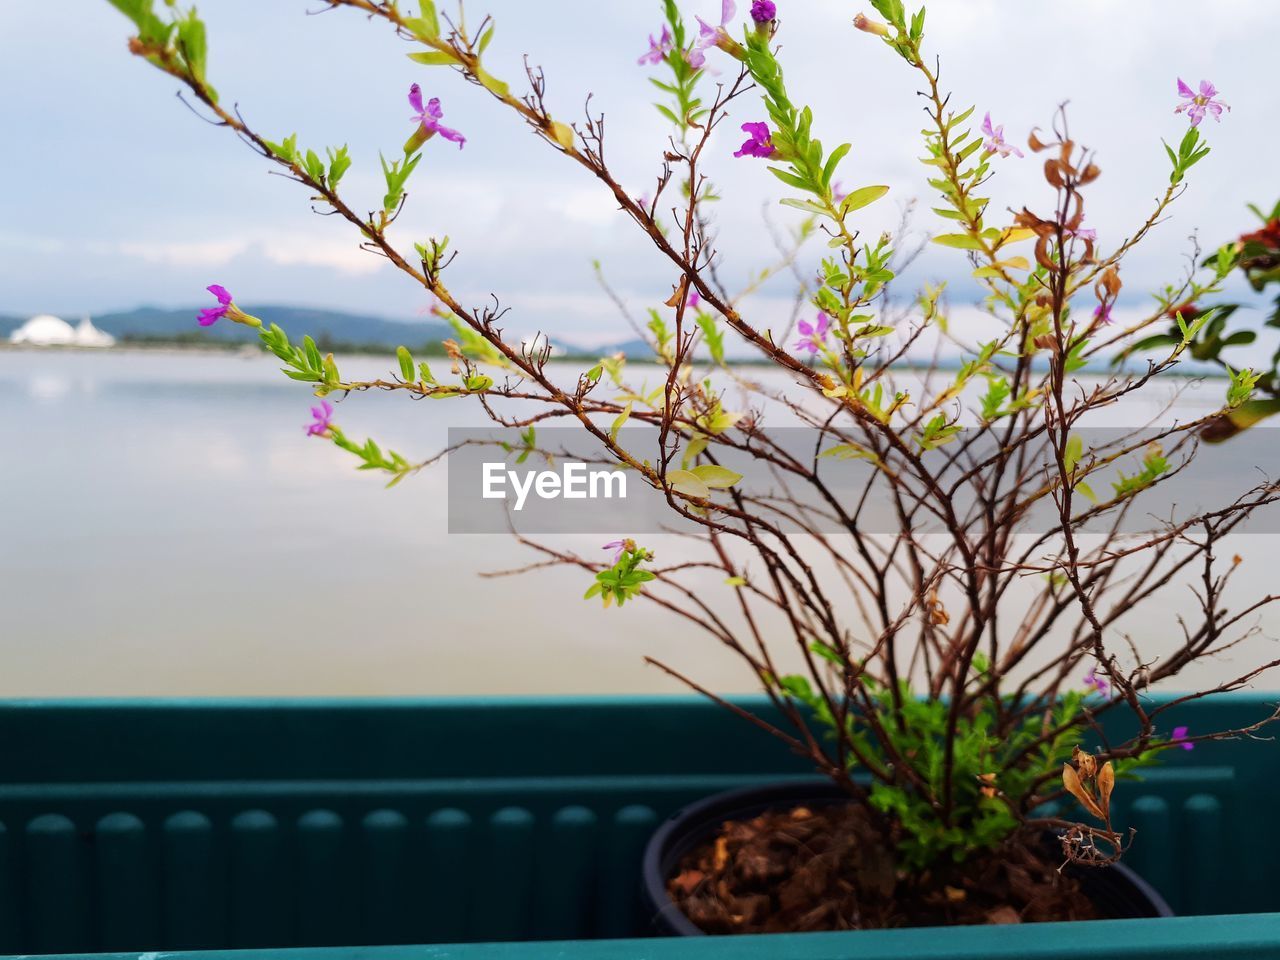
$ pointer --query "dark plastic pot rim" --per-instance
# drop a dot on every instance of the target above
(685, 828)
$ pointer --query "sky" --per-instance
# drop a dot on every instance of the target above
(115, 195)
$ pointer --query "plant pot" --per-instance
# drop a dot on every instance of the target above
(1116, 891)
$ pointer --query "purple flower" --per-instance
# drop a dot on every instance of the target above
(1097, 683)
(694, 302)
(1084, 233)
(211, 315)
(709, 36)
(838, 192)
(658, 49)
(762, 11)
(1102, 314)
(815, 334)
(618, 547)
(758, 142)
(429, 117)
(1180, 738)
(323, 417)
(995, 139)
(1198, 104)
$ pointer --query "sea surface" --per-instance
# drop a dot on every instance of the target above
(166, 528)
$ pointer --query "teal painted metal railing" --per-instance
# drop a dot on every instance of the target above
(267, 824)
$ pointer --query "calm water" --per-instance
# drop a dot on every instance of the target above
(167, 529)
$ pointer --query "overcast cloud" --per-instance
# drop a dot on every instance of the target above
(115, 195)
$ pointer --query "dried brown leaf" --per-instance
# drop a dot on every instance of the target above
(1106, 783)
(1071, 780)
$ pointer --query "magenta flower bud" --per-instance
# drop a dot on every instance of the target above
(762, 11)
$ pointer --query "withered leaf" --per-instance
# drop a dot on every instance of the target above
(1042, 254)
(681, 293)
(1035, 143)
(1106, 783)
(1071, 780)
(1053, 172)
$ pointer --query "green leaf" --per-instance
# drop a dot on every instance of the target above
(808, 206)
(618, 423)
(716, 477)
(491, 83)
(436, 58)
(862, 197)
(688, 483)
(406, 364)
(961, 241)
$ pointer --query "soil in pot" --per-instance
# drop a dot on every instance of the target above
(799, 868)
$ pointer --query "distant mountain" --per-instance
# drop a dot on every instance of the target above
(331, 326)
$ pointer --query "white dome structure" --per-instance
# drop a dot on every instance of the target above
(44, 330)
(47, 330)
(87, 335)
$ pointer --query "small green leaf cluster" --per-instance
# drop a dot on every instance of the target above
(371, 456)
(993, 780)
(528, 445)
(1154, 466)
(329, 174)
(1191, 150)
(181, 41)
(686, 107)
(808, 168)
(397, 174)
(905, 39)
(301, 362)
(624, 580)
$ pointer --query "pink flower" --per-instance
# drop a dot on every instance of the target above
(658, 50)
(429, 117)
(838, 192)
(211, 315)
(694, 302)
(759, 142)
(995, 139)
(1198, 104)
(322, 417)
(1097, 683)
(618, 547)
(762, 11)
(1180, 738)
(1084, 233)
(1102, 314)
(709, 36)
(814, 335)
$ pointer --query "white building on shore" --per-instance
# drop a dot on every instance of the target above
(47, 330)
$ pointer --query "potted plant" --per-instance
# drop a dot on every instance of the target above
(938, 636)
